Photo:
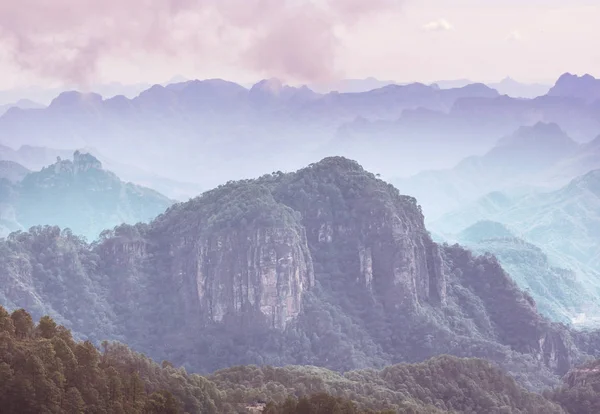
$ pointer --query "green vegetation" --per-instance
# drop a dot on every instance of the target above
(192, 287)
(44, 370)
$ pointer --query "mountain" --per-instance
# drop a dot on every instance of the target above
(80, 195)
(22, 104)
(268, 124)
(33, 158)
(586, 87)
(387, 128)
(44, 370)
(565, 222)
(578, 393)
(11, 171)
(352, 85)
(515, 89)
(328, 266)
(518, 162)
(584, 160)
(562, 295)
(449, 84)
(36, 158)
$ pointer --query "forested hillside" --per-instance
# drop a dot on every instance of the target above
(328, 266)
(42, 369)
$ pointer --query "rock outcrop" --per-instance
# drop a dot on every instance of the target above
(326, 266)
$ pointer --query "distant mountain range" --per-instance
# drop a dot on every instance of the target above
(76, 194)
(565, 222)
(184, 131)
(506, 86)
(22, 104)
(532, 158)
(569, 294)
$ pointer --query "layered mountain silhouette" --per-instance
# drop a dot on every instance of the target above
(21, 103)
(515, 89)
(327, 266)
(532, 158)
(586, 87)
(36, 158)
(563, 223)
(387, 128)
(77, 194)
(282, 126)
(12, 171)
(561, 293)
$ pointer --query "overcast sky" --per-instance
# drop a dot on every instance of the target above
(88, 41)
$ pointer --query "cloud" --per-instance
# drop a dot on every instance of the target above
(514, 36)
(66, 39)
(439, 25)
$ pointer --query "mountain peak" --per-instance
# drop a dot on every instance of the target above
(74, 98)
(85, 161)
(272, 85)
(589, 182)
(584, 87)
(542, 133)
(337, 163)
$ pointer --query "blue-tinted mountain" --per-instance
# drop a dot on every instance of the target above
(36, 158)
(80, 195)
(524, 160)
(12, 172)
(565, 223)
(561, 294)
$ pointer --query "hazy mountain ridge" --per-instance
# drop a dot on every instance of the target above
(287, 127)
(584, 87)
(564, 222)
(37, 158)
(530, 159)
(330, 264)
(21, 103)
(79, 195)
(561, 294)
(278, 125)
(12, 171)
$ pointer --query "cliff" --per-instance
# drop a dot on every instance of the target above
(327, 266)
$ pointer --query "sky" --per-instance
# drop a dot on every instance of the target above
(85, 42)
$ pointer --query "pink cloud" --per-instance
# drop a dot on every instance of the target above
(65, 39)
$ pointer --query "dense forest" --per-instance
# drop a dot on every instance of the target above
(328, 266)
(44, 370)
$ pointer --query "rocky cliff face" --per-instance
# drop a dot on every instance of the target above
(263, 270)
(327, 266)
(379, 235)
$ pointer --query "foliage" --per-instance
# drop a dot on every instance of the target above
(43, 370)
(143, 284)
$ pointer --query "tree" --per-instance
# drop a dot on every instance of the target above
(23, 323)
(74, 403)
(46, 327)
